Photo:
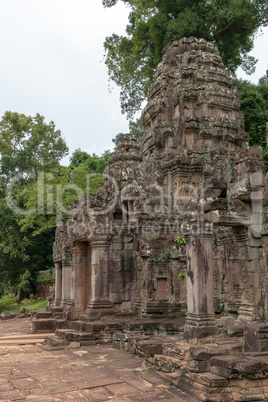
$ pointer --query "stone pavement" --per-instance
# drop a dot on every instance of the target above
(94, 373)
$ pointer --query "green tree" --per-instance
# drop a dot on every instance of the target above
(21, 250)
(135, 128)
(28, 145)
(36, 191)
(94, 163)
(132, 59)
(50, 197)
(254, 104)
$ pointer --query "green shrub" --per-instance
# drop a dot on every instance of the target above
(24, 282)
(25, 302)
(6, 302)
(10, 304)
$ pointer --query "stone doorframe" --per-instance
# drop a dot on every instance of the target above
(63, 273)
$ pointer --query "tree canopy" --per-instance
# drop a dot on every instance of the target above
(93, 162)
(36, 191)
(135, 128)
(132, 59)
(27, 145)
(254, 104)
(60, 189)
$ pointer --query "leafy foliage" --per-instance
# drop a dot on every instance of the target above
(132, 59)
(254, 104)
(24, 282)
(181, 276)
(135, 128)
(51, 197)
(93, 163)
(27, 145)
(21, 250)
(6, 302)
(10, 304)
(180, 240)
(35, 191)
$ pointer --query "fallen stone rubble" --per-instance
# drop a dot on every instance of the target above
(216, 369)
(221, 367)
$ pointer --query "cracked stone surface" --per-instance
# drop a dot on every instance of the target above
(94, 373)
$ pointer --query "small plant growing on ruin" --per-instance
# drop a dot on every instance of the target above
(180, 240)
(155, 213)
(181, 276)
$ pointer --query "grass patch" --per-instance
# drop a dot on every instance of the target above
(9, 304)
(6, 302)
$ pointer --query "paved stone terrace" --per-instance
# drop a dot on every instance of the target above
(94, 373)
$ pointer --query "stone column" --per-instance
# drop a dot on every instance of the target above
(265, 270)
(58, 283)
(78, 278)
(66, 284)
(99, 284)
(251, 308)
(200, 321)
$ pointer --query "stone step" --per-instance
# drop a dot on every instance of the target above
(78, 325)
(57, 315)
(54, 342)
(231, 367)
(55, 309)
(234, 346)
(162, 326)
(178, 349)
(43, 325)
(74, 336)
(61, 324)
(202, 353)
(236, 331)
(205, 386)
(127, 341)
(84, 338)
(96, 326)
(43, 314)
(61, 332)
(169, 326)
(87, 318)
(34, 312)
(167, 364)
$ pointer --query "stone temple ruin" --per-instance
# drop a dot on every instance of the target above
(179, 226)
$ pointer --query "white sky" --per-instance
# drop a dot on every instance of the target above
(52, 64)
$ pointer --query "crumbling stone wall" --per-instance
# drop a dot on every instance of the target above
(195, 176)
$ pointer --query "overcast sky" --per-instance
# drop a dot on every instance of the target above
(52, 64)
